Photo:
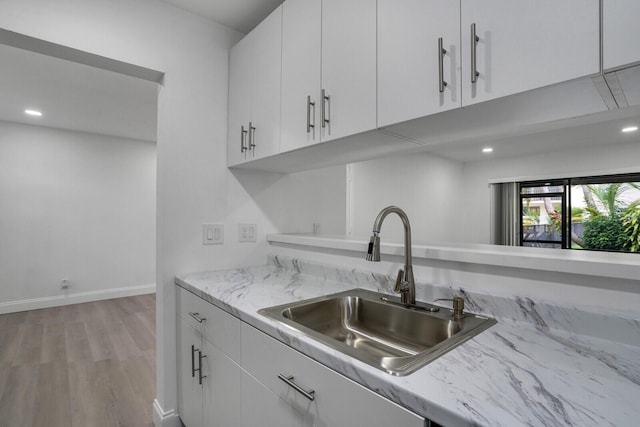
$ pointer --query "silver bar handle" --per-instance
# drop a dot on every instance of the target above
(200, 376)
(252, 133)
(193, 361)
(197, 318)
(441, 52)
(311, 394)
(325, 104)
(243, 132)
(309, 105)
(474, 49)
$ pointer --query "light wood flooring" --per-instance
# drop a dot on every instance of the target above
(81, 365)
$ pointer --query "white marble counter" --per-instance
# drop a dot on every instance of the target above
(526, 370)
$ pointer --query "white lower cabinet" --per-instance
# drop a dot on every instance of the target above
(189, 389)
(262, 407)
(231, 375)
(337, 401)
(221, 391)
(209, 388)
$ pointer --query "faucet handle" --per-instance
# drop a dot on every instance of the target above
(458, 306)
(401, 285)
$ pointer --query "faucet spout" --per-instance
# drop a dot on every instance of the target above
(405, 283)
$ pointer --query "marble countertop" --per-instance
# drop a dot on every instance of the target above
(523, 371)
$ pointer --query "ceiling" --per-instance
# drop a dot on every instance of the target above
(75, 96)
(88, 99)
(595, 130)
(241, 15)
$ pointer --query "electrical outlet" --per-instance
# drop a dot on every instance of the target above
(247, 232)
(64, 284)
(212, 234)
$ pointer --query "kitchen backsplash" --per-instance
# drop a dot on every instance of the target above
(542, 315)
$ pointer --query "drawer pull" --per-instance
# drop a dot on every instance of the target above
(441, 52)
(200, 376)
(197, 317)
(243, 146)
(309, 105)
(311, 394)
(325, 105)
(193, 362)
(252, 137)
(474, 54)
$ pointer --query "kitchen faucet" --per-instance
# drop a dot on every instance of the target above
(405, 283)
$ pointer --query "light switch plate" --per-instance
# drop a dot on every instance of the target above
(212, 234)
(247, 232)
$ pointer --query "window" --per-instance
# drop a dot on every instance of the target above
(541, 219)
(592, 213)
(588, 213)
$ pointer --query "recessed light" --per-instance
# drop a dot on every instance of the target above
(33, 113)
(630, 129)
(487, 150)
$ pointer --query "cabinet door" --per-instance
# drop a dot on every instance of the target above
(265, 68)
(301, 32)
(338, 401)
(409, 58)
(525, 45)
(619, 25)
(221, 393)
(348, 67)
(214, 324)
(261, 407)
(189, 391)
(239, 102)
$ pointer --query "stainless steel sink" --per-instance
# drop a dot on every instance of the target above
(378, 329)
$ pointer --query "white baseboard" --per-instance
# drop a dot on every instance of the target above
(165, 419)
(37, 303)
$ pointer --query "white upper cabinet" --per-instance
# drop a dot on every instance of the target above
(239, 102)
(418, 58)
(321, 70)
(348, 67)
(301, 81)
(525, 45)
(328, 48)
(254, 92)
(620, 43)
(266, 66)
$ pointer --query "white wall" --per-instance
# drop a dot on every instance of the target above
(601, 160)
(425, 186)
(449, 201)
(76, 206)
(294, 202)
(194, 185)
